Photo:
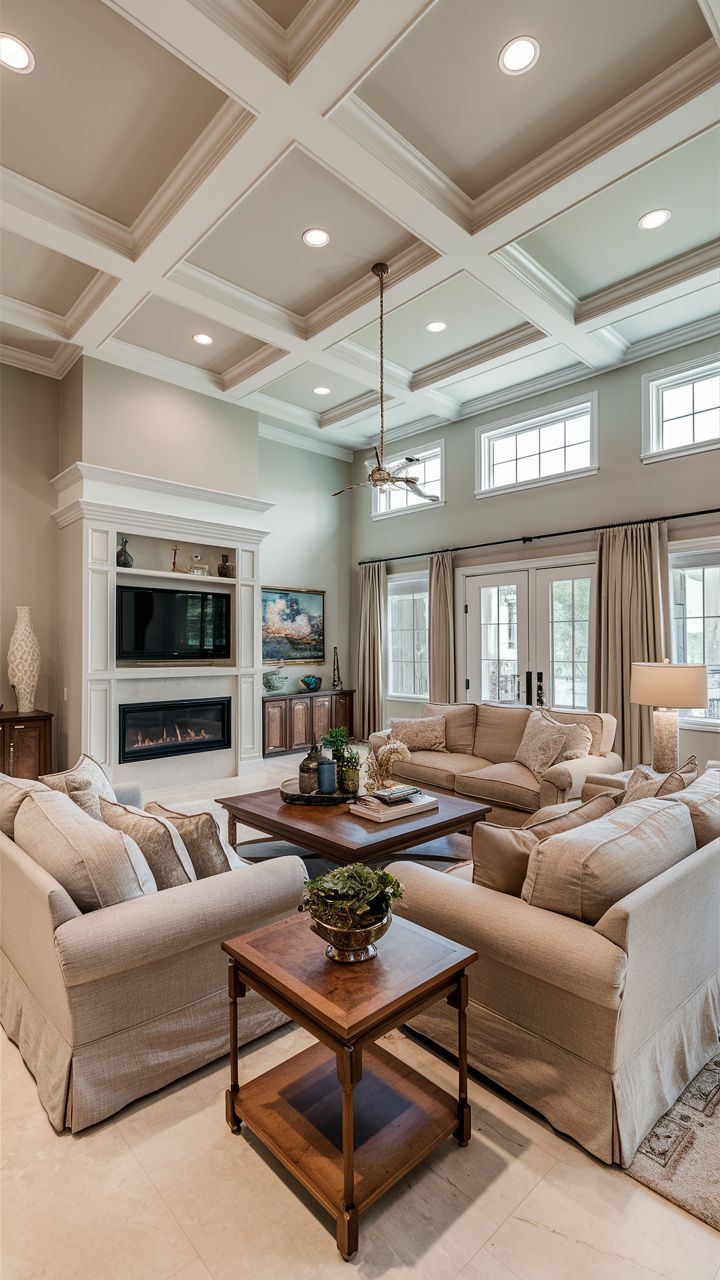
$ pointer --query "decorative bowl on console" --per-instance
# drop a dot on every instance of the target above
(273, 681)
(311, 683)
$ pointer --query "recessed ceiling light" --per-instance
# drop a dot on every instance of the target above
(15, 55)
(202, 339)
(321, 391)
(655, 218)
(316, 237)
(436, 326)
(519, 55)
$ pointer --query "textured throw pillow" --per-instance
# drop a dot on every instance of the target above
(702, 799)
(12, 793)
(425, 734)
(644, 782)
(541, 744)
(161, 844)
(96, 866)
(200, 833)
(459, 724)
(555, 818)
(578, 738)
(582, 873)
(85, 784)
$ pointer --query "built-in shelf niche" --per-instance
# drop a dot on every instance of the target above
(155, 556)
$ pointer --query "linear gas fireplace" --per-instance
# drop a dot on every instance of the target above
(149, 730)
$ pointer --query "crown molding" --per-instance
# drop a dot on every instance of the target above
(65, 358)
(219, 137)
(350, 409)
(308, 32)
(138, 521)
(44, 324)
(420, 427)
(251, 27)
(267, 431)
(48, 366)
(139, 360)
(96, 292)
(244, 303)
(397, 377)
(542, 282)
(79, 472)
(273, 408)
(61, 211)
(711, 13)
(480, 353)
(663, 276)
(251, 365)
(695, 331)
(373, 133)
(524, 390)
(405, 264)
(690, 76)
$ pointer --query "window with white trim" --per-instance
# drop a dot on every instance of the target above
(681, 410)
(695, 604)
(407, 642)
(429, 471)
(521, 453)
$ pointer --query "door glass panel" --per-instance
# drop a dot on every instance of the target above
(569, 641)
(499, 639)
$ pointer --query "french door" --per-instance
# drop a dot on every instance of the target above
(529, 636)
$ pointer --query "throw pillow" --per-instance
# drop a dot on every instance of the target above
(96, 866)
(161, 844)
(702, 799)
(578, 738)
(85, 784)
(541, 744)
(12, 793)
(425, 734)
(200, 833)
(584, 872)
(644, 782)
(459, 724)
(555, 818)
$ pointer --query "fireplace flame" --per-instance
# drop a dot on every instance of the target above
(144, 740)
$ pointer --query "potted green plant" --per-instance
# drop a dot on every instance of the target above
(337, 740)
(351, 908)
(349, 772)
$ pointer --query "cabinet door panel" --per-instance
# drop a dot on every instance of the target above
(274, 727)
(343, 711)
(321, 716)
(300, 723)
(25, 749)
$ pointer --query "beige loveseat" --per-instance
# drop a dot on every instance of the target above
(112, 1004)
(482, 740)
(599, 1026)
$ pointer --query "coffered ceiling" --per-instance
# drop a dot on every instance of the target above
(162, 161)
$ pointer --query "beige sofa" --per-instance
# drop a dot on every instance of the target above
(110, 1005)
(482, 740)
(598, 1026)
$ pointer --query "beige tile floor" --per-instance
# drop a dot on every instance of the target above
(164, 1190)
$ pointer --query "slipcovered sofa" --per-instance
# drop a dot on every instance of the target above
(597, 1023)
(482, 740)
(110, 1005)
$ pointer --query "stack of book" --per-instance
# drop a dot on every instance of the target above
(376, 811)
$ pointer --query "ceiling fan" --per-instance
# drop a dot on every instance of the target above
(380, 476)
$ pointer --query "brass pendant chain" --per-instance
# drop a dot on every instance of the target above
(380, 270)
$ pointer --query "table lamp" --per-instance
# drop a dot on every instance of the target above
(667, 686)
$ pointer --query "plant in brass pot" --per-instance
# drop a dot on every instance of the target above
(349, 772)
(351, 908)
(337, 740)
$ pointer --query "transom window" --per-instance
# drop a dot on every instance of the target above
(695, 591)
(536, 450)
(429, 473)
(681, 410)
(408, 637)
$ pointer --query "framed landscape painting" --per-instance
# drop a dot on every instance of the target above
(293, 625)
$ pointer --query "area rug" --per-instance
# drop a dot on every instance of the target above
(680, 1157)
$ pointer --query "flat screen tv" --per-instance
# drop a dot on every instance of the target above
(155, 624)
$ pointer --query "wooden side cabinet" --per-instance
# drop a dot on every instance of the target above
(25, 744)
(293, 721)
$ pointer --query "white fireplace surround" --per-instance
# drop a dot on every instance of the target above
(96, 505)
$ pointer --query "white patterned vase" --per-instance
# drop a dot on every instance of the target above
(24, 661)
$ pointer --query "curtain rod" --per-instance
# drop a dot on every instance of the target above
(538, 537)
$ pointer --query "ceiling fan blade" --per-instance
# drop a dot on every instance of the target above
(364, 484)
(412, 459)
(414, 487)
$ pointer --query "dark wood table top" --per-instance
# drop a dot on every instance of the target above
(347, 1000)
(344, 837)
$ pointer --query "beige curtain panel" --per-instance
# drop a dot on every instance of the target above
(370, 654)
(441, 628)
(632, 623)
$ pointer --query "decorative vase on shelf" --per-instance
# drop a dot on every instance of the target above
(226, 567)
(24, 661)
(123, 559)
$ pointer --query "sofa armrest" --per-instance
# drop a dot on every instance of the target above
(564, 781)
(597, 783)
(553, 948)
(146, 930)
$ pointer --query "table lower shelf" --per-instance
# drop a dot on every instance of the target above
(296, 1111)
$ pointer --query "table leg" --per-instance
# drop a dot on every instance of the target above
(236, 989)
(232, 830)
(458, 1000)
(349, 1069)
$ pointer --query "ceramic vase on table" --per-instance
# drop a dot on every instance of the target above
(24, 661)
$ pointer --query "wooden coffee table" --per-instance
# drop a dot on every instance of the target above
(337, 834)
(345, 1117)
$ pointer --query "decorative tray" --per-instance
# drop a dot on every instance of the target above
(290, 793)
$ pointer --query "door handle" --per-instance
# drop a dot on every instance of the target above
(528, 688)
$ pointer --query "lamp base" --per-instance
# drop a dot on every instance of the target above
(666, 740)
